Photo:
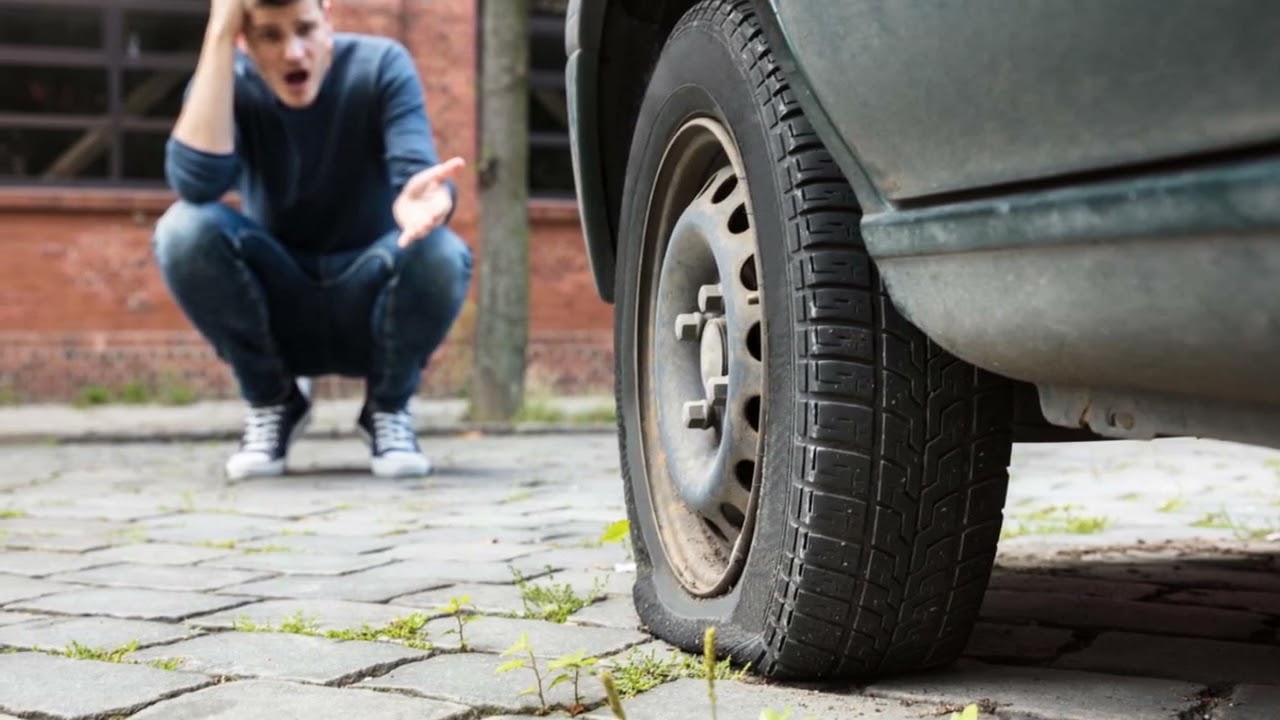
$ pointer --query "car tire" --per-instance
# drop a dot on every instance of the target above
(804, 470)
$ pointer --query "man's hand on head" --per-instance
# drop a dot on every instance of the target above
(425, 201)
(226, 17)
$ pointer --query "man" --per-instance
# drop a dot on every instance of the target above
(340, 262)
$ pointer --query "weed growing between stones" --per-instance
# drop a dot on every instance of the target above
(554, 602)
(641, 671)
(1055, 519)
(12, 513)
(573, 666)
(568, 668)
(457, 609)
(77, 651)
(407, 630)
(1222, 520)
(712, 670)
(522, 648)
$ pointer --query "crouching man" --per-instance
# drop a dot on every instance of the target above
(339, 261)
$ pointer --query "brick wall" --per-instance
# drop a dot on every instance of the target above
(82, 305)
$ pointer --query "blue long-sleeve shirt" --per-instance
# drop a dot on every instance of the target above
(320, 178)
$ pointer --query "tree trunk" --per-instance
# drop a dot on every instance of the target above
(502, 313)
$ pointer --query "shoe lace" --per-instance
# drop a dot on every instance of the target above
(394, 431)
(262, 428)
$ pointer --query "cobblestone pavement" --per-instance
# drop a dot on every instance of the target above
(1136, 580)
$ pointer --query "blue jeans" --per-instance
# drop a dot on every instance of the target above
(275, 314)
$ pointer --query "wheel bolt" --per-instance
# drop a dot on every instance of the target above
(717, 390)
(697, 415)
(711, 299)
(689, 325)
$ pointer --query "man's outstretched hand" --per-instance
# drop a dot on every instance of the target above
(425, 201)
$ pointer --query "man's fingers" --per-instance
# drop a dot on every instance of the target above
(409, 235)
(436, 173)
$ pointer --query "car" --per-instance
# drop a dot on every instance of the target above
(846, 240)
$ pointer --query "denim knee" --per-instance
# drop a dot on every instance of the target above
(186, 232)
(439, 263)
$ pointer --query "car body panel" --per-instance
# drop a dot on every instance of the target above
(1101, 221)
(938, 97)
(583, 28)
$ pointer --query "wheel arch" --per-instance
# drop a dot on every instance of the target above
(612, 47)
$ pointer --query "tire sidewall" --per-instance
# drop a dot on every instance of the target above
(698, 75)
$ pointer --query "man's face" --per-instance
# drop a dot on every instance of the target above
(292, 45)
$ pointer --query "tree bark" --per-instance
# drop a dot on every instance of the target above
(502, 312)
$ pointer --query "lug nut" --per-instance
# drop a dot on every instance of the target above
(689, 326)
(697, 415)
(711, 299)
(717, 390)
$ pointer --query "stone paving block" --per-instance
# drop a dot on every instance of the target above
(371, 523)
(471, 679)
(554, 716)
(1194, 659)
(280, 504)
(468, 552)
(582, 581)
(270, 700)
(160, 577)
(42, 564)
(1252, 600)
(1043, 692)
(1067, 585)
(17, 587)
(284, 656)
(85, 688)
(323, 544)
(326, 614)
(1096, 612)
(298, 563)
(9, 618)
(196, 527)
(131, 603)
(103, 509)
(445, 535)
(448, 571)
(605, 557)
(1250, 702)
(56, 543)
(155, 553)
(653, 650)
(743, 701)
(1016, 642)
(57, 633)
(548, 639)
(57, 526)
(617, 611)
(484, 598)
(364, 586)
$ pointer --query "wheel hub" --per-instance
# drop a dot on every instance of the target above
(704, 378)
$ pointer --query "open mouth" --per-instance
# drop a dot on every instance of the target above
(296, 79)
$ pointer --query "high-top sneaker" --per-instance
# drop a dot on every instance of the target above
(394, 444)
(268, 432)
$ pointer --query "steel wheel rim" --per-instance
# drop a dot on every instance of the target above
(700, 359)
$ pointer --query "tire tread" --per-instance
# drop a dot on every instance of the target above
(898, 490)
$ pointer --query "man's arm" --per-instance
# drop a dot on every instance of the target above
(410, 147)
(200, 162)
